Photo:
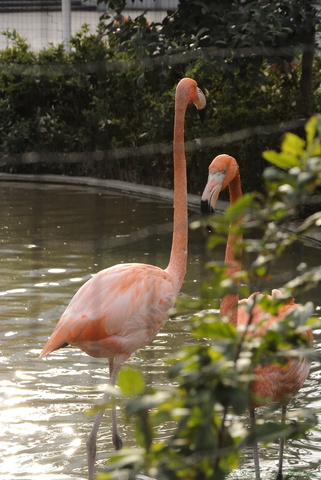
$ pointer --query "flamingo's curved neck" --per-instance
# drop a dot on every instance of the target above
(229, 302)
(235, 189)
(178, 257)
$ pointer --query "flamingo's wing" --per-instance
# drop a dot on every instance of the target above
(273, 382)
(118, 310)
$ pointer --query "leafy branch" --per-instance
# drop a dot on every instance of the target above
(213, 377)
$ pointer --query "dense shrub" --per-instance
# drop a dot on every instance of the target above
(115, 108)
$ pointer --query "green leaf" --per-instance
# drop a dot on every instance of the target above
(293, 145)
(240, 206)
(216, 329)
(124, 458)
(282, 160)
(147, 402)
(310, 129)
(131, 383)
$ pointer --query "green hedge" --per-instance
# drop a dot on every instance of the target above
(116, 111)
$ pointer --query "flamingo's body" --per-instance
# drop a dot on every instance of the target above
(116, 312)
(273, 383)
(122, 308)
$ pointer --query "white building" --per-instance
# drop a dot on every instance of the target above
(44, 22)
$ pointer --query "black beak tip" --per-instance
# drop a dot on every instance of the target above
(202, 113)
(206, 208)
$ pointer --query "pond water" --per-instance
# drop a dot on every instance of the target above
(53, 238)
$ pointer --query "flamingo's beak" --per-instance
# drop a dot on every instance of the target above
(211, 192)
(200, 103)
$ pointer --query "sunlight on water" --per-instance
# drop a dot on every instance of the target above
(53, 239)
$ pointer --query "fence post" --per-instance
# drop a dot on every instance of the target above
(66, 22)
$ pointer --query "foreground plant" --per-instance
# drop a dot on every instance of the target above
(272, 382)
(214, 376)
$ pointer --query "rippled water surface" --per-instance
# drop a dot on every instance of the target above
(53, 238)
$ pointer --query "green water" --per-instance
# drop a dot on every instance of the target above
(53, 238)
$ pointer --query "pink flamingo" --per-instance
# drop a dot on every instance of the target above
(273, 383)
(122, 308)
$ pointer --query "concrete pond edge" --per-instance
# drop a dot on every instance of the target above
(158, 193)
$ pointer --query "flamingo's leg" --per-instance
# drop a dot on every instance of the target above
(91, 444)
(92, 439)
(281, 447)
(117, 441)
(255, 448)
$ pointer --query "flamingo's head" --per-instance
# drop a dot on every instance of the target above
(194, 94)
(221, 172)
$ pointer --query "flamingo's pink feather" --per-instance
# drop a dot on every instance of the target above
(117, 311)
